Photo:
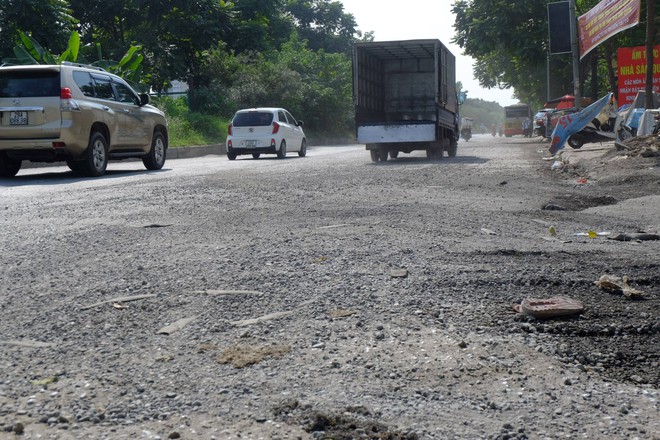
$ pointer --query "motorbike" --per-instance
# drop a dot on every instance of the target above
(603, 129)
(466, 134)
(613, 124)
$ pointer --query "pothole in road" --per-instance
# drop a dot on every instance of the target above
(574, 202)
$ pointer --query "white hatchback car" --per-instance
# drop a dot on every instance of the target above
(265, 130)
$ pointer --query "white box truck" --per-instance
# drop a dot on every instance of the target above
(405, 98)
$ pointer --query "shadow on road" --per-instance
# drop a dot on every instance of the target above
(67, 177)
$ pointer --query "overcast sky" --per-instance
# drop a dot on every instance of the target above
(421, 19)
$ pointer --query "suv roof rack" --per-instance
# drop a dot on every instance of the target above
(87, 66)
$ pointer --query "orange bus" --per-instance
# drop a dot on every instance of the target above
(514, 115)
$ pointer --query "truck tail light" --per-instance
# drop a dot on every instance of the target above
(276, 127)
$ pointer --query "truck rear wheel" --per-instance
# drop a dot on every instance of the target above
(374, 155)
(382, 155)
(451, 150)
(394, 154)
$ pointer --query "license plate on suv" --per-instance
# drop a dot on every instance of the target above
(18, 118)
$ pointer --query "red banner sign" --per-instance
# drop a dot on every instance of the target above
(607, 18)
(632, 72)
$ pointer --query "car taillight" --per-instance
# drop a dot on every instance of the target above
(67, 103)
(276, 127)
(229, 144)
(230, 130)
(65, 93)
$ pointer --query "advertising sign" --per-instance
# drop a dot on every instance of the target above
(607, 18)
(559, 26)
(631, 71)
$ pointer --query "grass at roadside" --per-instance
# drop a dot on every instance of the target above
(191, 128)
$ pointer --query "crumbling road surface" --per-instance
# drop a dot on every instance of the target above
(332, 297)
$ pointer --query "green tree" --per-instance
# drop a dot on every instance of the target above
(324, 24)
(44, 20)
(509, 42)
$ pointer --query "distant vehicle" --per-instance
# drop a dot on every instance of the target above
(559, 107)
(405, 98)
(514, 115)
(539, 121)
(466, 128)
(265, 130)
(79, 114)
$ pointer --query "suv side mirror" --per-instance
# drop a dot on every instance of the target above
(144, 99)
(300, 123)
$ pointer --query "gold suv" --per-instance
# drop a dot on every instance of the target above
(79, 114)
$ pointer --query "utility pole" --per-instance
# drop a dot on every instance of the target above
(650, 32)
(575, 48)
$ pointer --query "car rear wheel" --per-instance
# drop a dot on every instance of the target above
(96, 156)
(281, 154)
(9, 167)
(158, 153)
(303, 149)
(74, 165)
(231, 155)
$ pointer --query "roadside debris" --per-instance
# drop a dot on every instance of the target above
(341, 313)
(547, 308)
(399, 273)
(46, 381)
(28, 344)
(268, 317)
(488, 231)
(119, 299)
(219, 292)
(553, 207)
(644, 146)
(552, 230)
(635, 236)
(616, 284)
(176, 326)
(241, 356)
(557, 165)
(592, 234)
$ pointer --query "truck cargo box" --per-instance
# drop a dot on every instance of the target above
(405, 96)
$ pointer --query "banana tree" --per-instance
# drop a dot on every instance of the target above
(29, 51)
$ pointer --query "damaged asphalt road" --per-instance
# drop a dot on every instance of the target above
(332, 297)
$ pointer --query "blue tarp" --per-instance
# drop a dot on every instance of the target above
(570, 124)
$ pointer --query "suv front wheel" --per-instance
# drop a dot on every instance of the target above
(156, 157)
(96, 156)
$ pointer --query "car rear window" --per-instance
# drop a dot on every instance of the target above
(29, 84)
(252, 119)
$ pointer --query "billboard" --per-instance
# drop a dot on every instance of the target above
(607, 18)
(631, 71)
(559, 26)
